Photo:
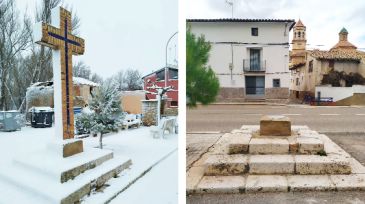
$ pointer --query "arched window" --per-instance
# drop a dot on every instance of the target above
(295, 34)
(303, 34)
(299, 35)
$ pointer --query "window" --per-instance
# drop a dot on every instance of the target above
(255, 31)
(276, 83)
(310, 66)
(297, 81)
(331, 64)
(174, 103)
(160, 75)
(299, 35)
(255, 60)
(173, 74)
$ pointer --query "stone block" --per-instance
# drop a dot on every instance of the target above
(226, 165)
(268, 146)
(315, 164)
(72, 148)
(310, 183)
(309, 145)
(238, 143)
(193, 176)
(293, 145)
(221, 184)
(275, 125)
(266, 183)
(271, 164)
(349, 182)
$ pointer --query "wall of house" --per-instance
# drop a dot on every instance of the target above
(339, 93)
(131, 101)
(276, 56)
(171, 95)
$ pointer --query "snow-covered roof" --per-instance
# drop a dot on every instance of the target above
(41, 108)
(76, 80)
(83, 81)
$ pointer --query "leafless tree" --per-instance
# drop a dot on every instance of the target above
(133, 80)
(80, 69)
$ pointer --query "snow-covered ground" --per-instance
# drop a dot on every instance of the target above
(158, 186)
(136, 144)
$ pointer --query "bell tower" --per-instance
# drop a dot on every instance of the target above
(299, 43)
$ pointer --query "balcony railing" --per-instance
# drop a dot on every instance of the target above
(254, 65)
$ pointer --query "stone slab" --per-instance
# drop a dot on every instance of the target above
(266, 183)
(271, 164)
(238, 143)
(349, 182)
(250, 127)
(268, 146)
(309, 145)
(221, 184)
(193, 177)
(310, 183)
(275, 125)
(72, 148)
(244, 131)
(315, 164)
(293, 145)
(226, 165)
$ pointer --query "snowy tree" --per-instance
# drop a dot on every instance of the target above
(106, 113)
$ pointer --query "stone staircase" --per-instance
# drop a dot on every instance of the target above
(246, 161)
(54, 179)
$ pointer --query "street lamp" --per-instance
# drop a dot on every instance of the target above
(167, 44)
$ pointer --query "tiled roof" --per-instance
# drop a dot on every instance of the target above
(338, 54)
(296, 65)
(344, 45)
(240, 20)
(299, 24)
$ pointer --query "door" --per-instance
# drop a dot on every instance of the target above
(255, 85)
(255, 60)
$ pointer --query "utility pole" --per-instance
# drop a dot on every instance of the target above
(230, 3)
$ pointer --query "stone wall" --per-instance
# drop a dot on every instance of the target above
(171, 112)
(227, 94)
(276, 93)
(149, 111)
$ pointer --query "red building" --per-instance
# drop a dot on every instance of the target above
(158, 78)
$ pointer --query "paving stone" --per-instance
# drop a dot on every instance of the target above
(266, 183)
(349, 182)
(299, 127)
(245, 131)
(268, 146)
(226, 165)
(310, 183)
(315, 164)
(221, 184)
(221, 146)
(356, 166)
(193, 176)
(238, 143)
(271, 164)
(250, 127)
(275, 125)
(309, 145)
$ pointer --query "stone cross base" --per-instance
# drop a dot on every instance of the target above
(72, 148)
(275, 125)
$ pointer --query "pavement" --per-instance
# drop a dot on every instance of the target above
(344, 125)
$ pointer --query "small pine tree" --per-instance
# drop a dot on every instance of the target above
(202, 85)
(106, 113)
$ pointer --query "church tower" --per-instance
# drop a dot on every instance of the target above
(299, 43)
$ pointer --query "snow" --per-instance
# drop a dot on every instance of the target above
(83, 81)
(135, 144)
(160, 185)
(41, 108)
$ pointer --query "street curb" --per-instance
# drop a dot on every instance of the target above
(342, 133)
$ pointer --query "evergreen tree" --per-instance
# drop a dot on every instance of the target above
(106, 113)
(201, 83)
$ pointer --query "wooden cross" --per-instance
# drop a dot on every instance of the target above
(64, 45)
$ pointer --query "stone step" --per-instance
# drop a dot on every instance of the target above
(241, 143)
(279, 183)
(64, 169)
(239, 164)
(51, 190)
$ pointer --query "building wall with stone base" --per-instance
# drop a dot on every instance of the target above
(230, 94)
(277, 93)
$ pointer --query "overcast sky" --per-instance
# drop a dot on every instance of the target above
(324, 19)
(122, 34)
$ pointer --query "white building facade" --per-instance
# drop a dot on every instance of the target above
(249, 56)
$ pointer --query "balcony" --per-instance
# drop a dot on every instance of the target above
(254, 65)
